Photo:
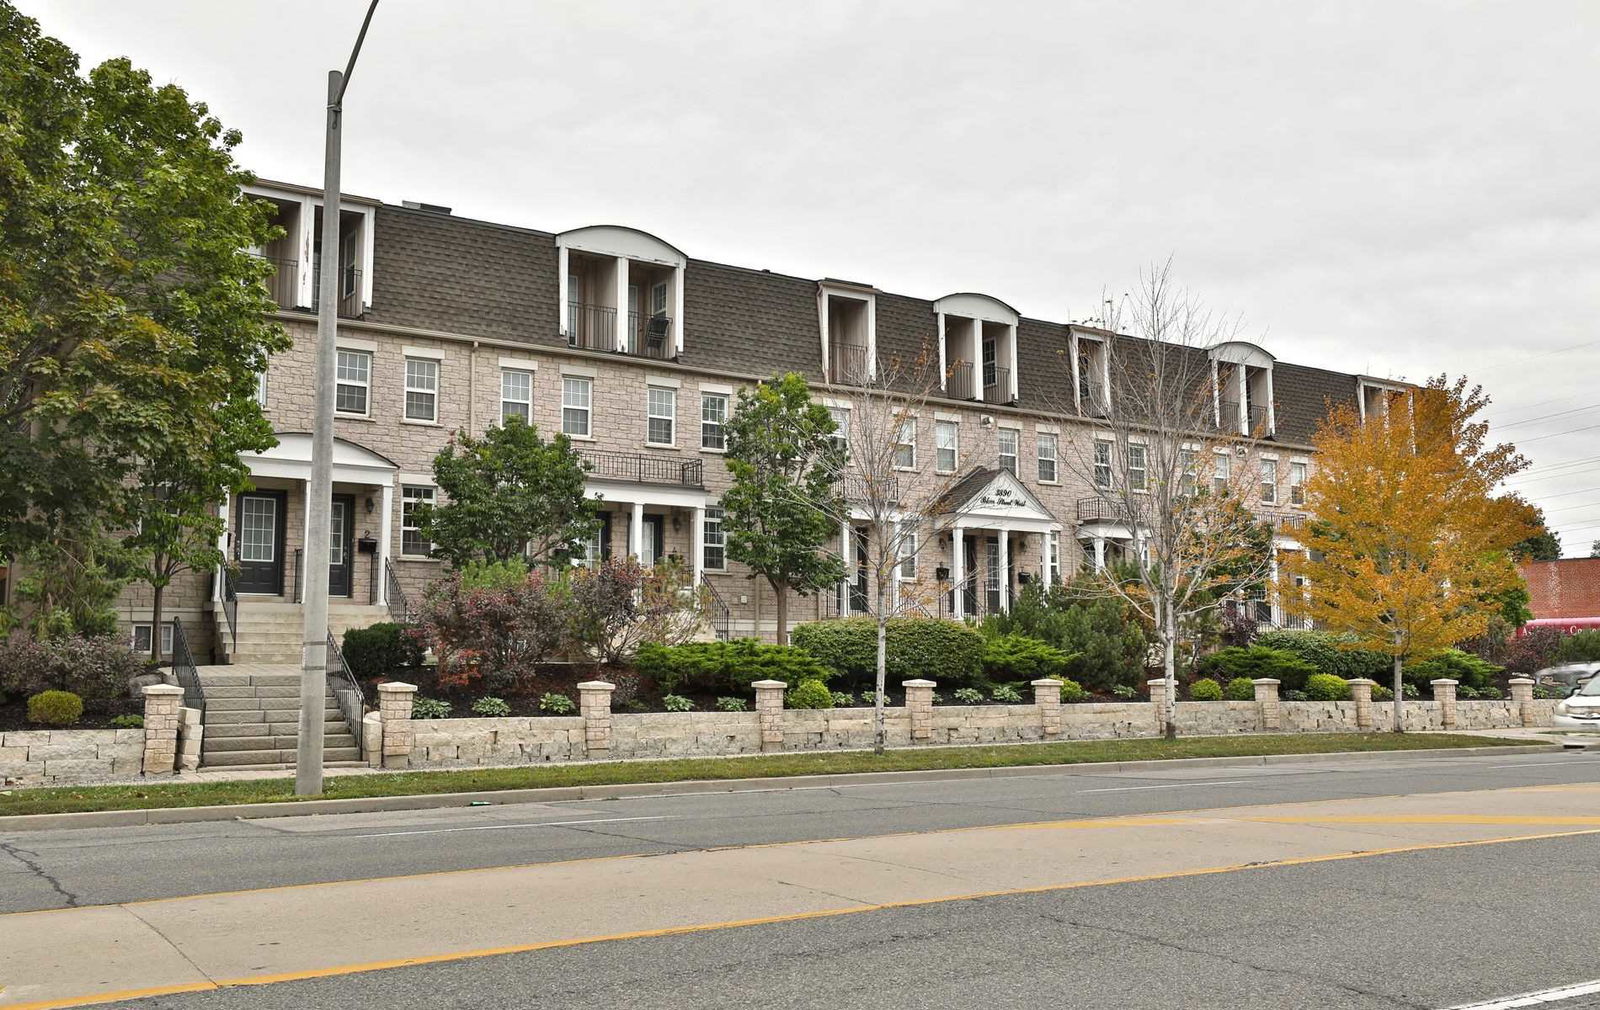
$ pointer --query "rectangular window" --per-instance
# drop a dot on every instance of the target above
(353, 375)
(841, 420)
(1055, 558)
(947, 444)
(411, 541)
(1297, 483)
(1138, 468)
(261, 388)
(908, 552)
(1269, 481)
(142, 638)
(516, 394)
(422, 389)
(1102, 464)
(713, 415)
(905, 445)
(658, 298)
(716, 541)
(1190, 478)
(1046, 452)
(1008, 449)
(991, 360)
(588, 551)
(662, 412)
(575, 393)
(1221, 473)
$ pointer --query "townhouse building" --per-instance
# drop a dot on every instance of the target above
(634, 350)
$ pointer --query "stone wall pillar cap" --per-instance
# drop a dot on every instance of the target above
(918, 683)
(1520, 680)
(396, 687)
(1266, 680)
(1444, 682)
(1158, 680)
(597, 685)
(1045, 682)
(769, 685)
(1360, 680)
(162, 690)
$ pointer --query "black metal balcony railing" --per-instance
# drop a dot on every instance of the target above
(1228, 415)
(1092, 398)
(1286, 521)
(591, 327)
(847, 364)
(283, 284)
(1104, 510)
(650, 336)
(349, 288)
(1258, 420)
(958, 384)
(996, 384)
(853, 487)
(642, 468)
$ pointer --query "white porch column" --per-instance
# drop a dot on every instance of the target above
(1047, 551)
(958, 571)
(636, 533)
(846, 543)
(677, 307)
(222, 544)
(307, 563)
(1272, 590)
(1005, 568)
(1099, 554)
(622, 305)
(385, 531)
(697, 544)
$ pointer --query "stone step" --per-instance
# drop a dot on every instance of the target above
(291, 704)
(214, 691)
(270, 726)
(251, 681)
(248, 716)
(275, 756)
(219, 745)
(279, 766)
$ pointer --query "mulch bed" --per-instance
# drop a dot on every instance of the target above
(14, 714)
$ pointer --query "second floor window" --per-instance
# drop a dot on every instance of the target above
(516, 394)
(905, 445)
(1008, 450)
(716, 541)
(422, 389)
(1138, 468)
(261, 388)
(1190, 478)
(1046, 452)
(841, 421)
(908, 552)
(354, 376)
(946, 442)
(575, 392)
(411, 539)
(1102, 464)
(713, 416)
(1297, 483)
(1269, 481)
(662, 412)
(1221, 473)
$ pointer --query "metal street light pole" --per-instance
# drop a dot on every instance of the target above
(319, 492)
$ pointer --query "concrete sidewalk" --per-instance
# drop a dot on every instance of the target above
(72, 956)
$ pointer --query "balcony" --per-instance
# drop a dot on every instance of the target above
(591, 327)
(1258, 421)
(958, 384)
(1102, 510)
(996, 384)
(856, 488)
(643, 468)
(284, 282)
(847, 364)
(349, 305)
(1284, 522)
(650, 336)
(1092, 399)
(1228, 415)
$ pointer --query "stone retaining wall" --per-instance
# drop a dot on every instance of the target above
(59, 757)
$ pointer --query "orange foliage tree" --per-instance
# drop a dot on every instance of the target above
(1411, 544)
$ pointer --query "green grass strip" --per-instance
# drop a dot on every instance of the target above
(141, 796)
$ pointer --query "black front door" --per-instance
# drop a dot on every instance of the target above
(654, 541)
(341, 537)
(258, 541)
(969, 588)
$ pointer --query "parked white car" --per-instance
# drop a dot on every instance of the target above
(1581, 708)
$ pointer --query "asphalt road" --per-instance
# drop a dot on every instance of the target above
(57, 869)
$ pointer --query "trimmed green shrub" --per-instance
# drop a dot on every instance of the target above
(844, 699)
(1381, 693)
(1293, 695)
(1322, 650)
(1409, 692)
(489, 707)
(968, 696)
(554, 703)
(1107, 637)
(1547, 692)
(55, 708)
(381, 650)
(96, 669)
(677, 703)
(1122, 692)
(1018, 657)
(1327, 687)
(1072, 692)
(731, 705)
(1005, 694)
(870, 698)
(1205, 689)
(709, 667)
(430, 708)
(128, 722)
(1463, 667)
(926, 647)
(1491, 692)
(1240, 689)
(1581, 647)
(809, 694)
(1466, 692)
(1256, 662)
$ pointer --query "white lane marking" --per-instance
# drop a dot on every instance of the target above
(1539, 998)
(504, 827)
(1175, 785)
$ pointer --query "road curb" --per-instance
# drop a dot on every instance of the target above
(549, 794)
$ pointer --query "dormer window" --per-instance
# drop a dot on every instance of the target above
(295, 283)
(621, 291)
(847, 314)
(1091, 374)
(1242, 395)
(977, 348)
(1378, 399)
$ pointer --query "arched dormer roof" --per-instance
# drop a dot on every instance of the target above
(1241, 352)
(971, 305)
(619, 240)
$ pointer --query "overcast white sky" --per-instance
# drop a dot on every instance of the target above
(1397, 188)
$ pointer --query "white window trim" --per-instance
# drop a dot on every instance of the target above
(1016, 457)
(649, 416)
(1128, 465)
(727, 411)
(1306, 469)
(1039, 441)
(519, 364)
(531, 374)
(433, 500)
(1110, 464)
(588, 410)
(722, 522)
(955, 450)
(405, 406)
(907, 554)
(913, 444)
(366, 384)
(436, 353)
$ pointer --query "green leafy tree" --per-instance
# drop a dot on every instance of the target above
(1543, 545)
(130, 305)
(506, 493)
(779, 511)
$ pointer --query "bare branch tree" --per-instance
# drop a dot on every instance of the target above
(1171, 462)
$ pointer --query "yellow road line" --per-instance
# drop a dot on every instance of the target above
(1529, 820)
(711, 927)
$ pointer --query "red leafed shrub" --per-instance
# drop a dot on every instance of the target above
(492, 623)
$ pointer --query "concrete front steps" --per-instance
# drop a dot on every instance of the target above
(270, 629)
(252, 720)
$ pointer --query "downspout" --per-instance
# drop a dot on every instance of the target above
(472, 388)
